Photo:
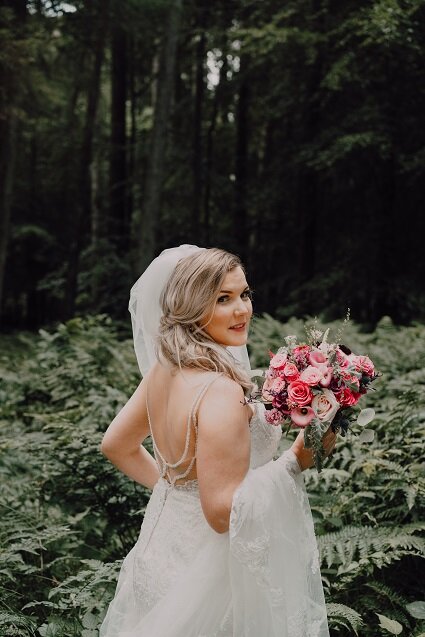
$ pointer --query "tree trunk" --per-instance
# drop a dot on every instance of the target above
(132, 140)
(10, 96)
(197, 156)
(83, 210)
(240, 219)
(118, 217)
(209, 153)
(165, 87)
(7, 163)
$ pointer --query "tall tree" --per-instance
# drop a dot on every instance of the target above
(119, 223)
(163, 101)
(99, 14)
(197, 155)
(240, 219)
(12, 19)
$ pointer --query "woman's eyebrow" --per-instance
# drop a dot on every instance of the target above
(231, 291)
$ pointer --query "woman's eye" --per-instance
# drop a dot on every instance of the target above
(247, 294)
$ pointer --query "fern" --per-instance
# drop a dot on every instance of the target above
(16, 625)
(342, 615)
(66, 513)
(367, 542)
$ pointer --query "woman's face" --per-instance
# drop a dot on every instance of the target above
(232, 312)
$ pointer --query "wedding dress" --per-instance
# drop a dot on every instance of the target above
(260, 579)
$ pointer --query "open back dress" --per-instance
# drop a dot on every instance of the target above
(260, 579)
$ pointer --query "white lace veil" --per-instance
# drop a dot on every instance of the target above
(145, 308)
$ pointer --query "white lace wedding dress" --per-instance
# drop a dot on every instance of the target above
(261, 579)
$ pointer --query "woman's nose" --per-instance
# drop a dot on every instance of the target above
(241, 307)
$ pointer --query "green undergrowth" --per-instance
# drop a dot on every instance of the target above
(67, 517)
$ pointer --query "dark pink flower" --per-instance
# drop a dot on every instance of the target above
(299, 394)
(302, 416)
(273, 416)
(346, 397)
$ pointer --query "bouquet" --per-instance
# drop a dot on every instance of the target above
(315, 385)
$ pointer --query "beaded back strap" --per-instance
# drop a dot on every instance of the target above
(164, 467)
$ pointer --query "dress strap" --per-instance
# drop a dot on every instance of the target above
(191, 419)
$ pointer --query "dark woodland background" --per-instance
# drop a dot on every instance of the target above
(291, 133)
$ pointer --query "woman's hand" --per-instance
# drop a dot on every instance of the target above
(305, 456)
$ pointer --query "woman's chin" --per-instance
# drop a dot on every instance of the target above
(237, 340)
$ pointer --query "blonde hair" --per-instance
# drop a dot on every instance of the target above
(189, 295)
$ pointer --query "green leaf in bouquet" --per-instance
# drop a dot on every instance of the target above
(416, 609)
(351, 386)
(367, 435)
(391, 625)
(365, 416)
(313, 434)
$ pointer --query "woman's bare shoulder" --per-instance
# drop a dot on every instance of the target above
(223, 401)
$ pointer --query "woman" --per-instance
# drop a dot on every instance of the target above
(227, 544)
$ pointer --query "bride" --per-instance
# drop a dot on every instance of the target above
(227, 545)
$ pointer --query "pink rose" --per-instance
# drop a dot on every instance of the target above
(278, 385)
(299, 394)
(302, 416)
(311, 375)
(291, 372)
(278, 361)
(346, 397)
(325, 405)
(317, 358)
(273, 416)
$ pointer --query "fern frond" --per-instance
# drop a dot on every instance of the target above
(16, 624)
(340, 614)
(341, 547)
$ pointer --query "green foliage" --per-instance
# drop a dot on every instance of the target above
(68, 517)
(63, 504)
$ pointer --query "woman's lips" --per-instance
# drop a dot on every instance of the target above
(239, 327)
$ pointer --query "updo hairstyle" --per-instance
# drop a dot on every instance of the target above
(188, 297)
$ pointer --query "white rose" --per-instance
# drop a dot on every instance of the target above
(325, 405)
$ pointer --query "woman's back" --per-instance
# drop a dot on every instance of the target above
(172, 400)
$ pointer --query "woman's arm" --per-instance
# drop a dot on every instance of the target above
(223, 449)
(122, 441)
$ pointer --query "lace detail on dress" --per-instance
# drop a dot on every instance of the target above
(254, 555)
(173, 529)
(265, 438)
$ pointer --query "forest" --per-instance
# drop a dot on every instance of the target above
(291, 133)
